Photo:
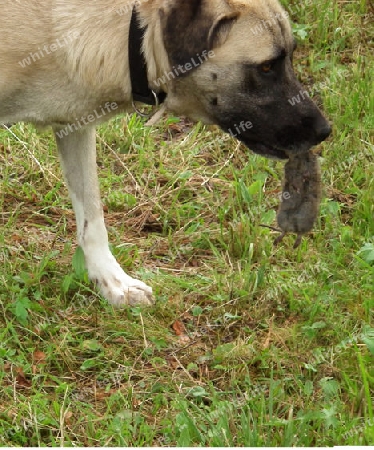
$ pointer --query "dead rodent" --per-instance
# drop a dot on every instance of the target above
(301, 196)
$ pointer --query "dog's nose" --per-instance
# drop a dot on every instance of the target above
(322, 128)
(319, 126)
(324, 132)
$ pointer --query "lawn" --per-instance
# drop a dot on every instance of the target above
(248, 344)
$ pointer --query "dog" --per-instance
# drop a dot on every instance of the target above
(71, 64)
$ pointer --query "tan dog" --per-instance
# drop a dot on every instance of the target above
(65, 63)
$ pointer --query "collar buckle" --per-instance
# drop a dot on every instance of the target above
(147, 100)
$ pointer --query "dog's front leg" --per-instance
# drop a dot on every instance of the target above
(77, 151)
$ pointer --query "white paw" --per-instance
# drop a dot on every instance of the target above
(121, 294)
(115, 285)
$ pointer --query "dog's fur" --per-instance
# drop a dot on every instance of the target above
(249, 79)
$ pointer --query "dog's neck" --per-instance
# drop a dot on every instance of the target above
(141, 90)
(158, 63)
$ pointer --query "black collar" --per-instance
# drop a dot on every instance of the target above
(138, 66)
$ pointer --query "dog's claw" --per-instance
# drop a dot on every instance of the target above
(132, 296)
(115, 285)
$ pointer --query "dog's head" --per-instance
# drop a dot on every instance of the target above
(231, 65)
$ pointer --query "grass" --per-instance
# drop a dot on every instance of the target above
(247, 345)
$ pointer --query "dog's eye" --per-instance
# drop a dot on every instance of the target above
(266, 68)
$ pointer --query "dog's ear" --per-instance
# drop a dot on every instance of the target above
(220, 30)
(190, 28)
